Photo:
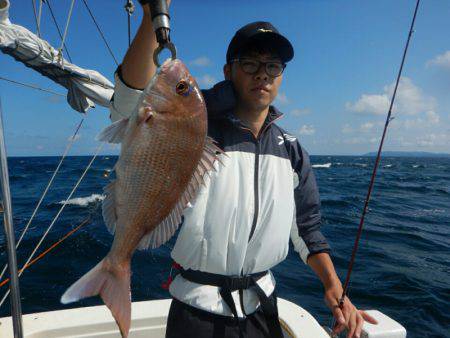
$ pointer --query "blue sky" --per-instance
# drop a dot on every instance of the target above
(334, 93)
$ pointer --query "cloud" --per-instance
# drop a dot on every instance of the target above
(307, 130)
(409, 101)
(300, 111)
(366, 127)
(282, 98)
(206, 80)
(346, 129)
(442, 61)
(201, 61)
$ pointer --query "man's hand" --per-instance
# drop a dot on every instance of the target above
(349, 317)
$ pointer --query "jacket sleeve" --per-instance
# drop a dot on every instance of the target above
(124, 100)
(305, 234)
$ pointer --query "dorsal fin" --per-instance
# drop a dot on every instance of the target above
(165, 230)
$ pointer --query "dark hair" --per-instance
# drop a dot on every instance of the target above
(258, 47)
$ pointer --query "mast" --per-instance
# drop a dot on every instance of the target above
(16, 309)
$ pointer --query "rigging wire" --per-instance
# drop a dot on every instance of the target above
(69, 145)
(372, 180)
(32, 86)
(57, 27)
(66, 29)
(101, 33)
(33, 2)
(50, 248)
(57, 216)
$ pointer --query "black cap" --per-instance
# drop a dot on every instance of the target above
(260, 32)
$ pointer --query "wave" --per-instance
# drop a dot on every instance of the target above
(325, 165)
(84, 201)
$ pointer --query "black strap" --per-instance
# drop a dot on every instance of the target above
(227, 284)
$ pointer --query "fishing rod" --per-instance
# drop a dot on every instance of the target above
(372, 180)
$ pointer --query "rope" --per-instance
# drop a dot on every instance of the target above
(49, 249)
(129, 7)
(69, 145)
(36, 17)
(40, 15)
(66, 29)
(57, 27)
(101, 33)
(32, 86)
(57, 215)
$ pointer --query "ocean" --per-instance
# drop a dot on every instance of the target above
(402, 266)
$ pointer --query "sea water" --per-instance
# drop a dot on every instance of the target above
(402, 266)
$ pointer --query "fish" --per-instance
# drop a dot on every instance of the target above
(164, 159)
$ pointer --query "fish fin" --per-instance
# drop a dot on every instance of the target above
(165, 230)
(114, 133)
(109, 207)
(113, 286)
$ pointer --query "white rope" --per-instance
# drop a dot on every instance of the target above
(66, 29)
(56, 217)
(69, 145)
(39, 16)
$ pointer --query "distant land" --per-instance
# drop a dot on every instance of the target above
(408, 154)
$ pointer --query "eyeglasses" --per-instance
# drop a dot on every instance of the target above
(252, 66)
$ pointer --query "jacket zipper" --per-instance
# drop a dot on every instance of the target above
(255, 188)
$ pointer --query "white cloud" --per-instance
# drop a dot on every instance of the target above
(366, 127)
(206, 80)
(307, 130)
(432, 117)
(442, 60)
(282, 98)
(300, 111)
(201, 61)
(409, 101)
(346, 129)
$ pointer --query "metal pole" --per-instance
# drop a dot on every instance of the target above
(16, 310)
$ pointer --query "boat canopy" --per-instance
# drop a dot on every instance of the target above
(85, 87)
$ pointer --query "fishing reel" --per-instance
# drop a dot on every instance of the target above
(161, 26)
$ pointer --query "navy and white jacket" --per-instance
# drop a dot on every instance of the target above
(241, 221)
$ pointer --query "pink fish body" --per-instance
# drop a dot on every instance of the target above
(164, 156)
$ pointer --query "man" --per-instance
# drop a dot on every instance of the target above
(265, 193)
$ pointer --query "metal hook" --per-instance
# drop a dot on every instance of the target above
(167, 45)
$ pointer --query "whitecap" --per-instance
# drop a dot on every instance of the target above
(84, 201)
(415, 165)
(387, 166)
(325, 165)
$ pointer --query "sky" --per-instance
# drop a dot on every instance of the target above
(334, 95)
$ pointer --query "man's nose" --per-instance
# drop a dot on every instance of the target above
(261, 74)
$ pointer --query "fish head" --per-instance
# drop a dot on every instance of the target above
(173, 91)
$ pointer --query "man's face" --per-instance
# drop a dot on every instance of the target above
(255, 91)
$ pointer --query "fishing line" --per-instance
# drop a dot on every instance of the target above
(372, 180)
(57, 215)
(69, 145)
(129, 7)
(50, 248)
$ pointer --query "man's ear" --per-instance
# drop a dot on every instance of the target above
(227, 71)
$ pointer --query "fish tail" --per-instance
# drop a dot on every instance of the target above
(112, 283)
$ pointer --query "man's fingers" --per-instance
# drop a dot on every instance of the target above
(351, 325)
(340, 320)
(368, 318)
(359, 325)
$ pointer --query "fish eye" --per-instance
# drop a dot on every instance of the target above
(182, 88)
